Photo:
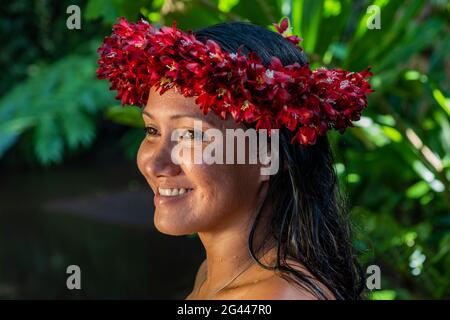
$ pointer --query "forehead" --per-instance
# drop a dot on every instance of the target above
(171, 99)
(172, 102)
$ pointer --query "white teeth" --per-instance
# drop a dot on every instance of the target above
(172, 192)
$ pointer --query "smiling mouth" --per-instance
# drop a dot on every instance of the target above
(167, 192)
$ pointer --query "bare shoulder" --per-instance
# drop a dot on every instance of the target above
(275, 287)
(272, 288)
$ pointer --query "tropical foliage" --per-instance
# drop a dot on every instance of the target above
(394, 165)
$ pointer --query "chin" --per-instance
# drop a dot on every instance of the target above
(172, 229)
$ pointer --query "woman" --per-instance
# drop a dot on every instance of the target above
(278, 236)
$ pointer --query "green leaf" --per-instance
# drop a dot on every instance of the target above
(392, 133)
(128, 115)
(101, 9)
(110, 10)
(11, 130)
(227, 5)
(412, 43)
(79, 129)
(307, 16)
(418, 190)
(383, 295)
(48, 142)
(312, 20)
(66, 91)
(443, 101)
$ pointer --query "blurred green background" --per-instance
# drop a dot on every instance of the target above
(70, 192)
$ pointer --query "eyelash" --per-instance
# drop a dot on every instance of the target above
(148, 132)
(148, 129)
(193, 135)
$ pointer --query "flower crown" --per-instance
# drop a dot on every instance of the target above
(138, 56)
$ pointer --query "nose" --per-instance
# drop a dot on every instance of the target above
(154, 160)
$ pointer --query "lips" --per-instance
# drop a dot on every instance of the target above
(171, 192)
(172, 196)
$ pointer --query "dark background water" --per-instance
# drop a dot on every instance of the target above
(96, 214)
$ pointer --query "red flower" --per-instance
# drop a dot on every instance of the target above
(283, 27)
(137, 56)
(305, 136)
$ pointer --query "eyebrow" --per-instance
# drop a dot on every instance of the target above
(178, 116)
(147, 114)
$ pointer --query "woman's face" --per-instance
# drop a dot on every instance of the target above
(215, 195)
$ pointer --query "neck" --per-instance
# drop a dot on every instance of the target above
(227, 251)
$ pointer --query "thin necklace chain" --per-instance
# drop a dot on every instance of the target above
(229, 282)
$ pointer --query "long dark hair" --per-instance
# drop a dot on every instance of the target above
(309, 219)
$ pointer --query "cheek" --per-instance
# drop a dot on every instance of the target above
(223, 186)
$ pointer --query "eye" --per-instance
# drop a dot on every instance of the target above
(191, 134)
(150, 131)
